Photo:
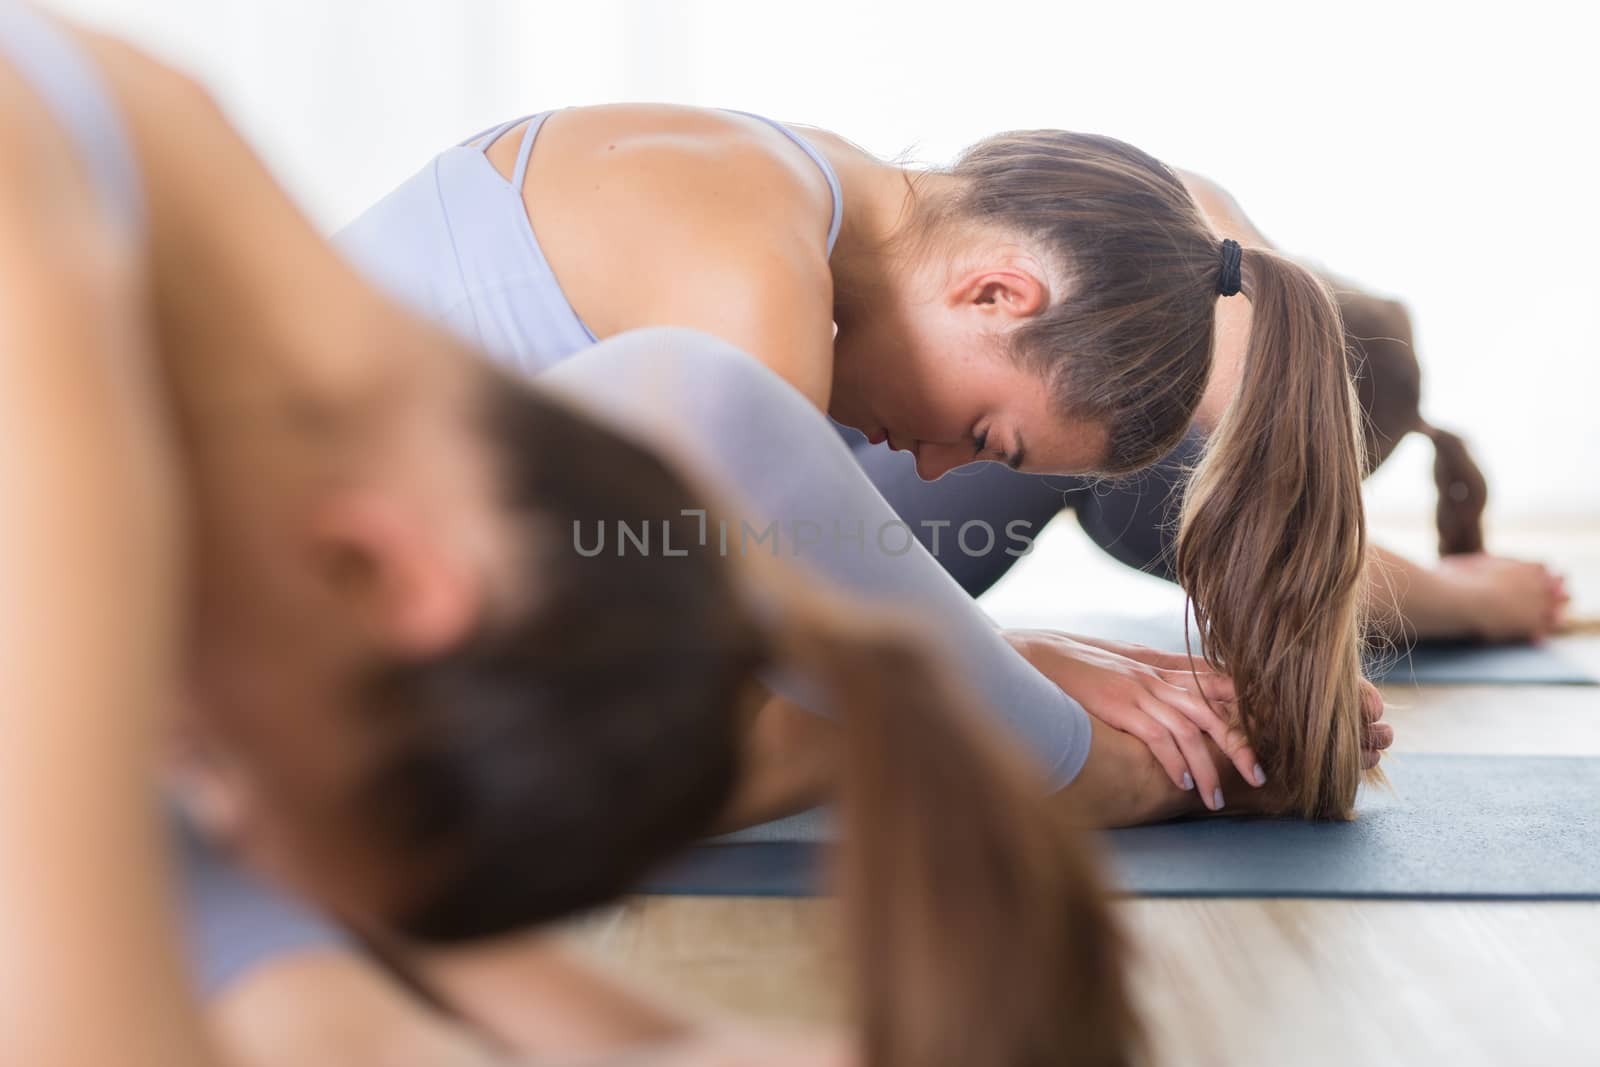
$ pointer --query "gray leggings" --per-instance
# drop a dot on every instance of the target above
(1133, 518)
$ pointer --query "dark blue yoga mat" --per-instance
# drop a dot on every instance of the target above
(1426, 663)
(1450, 827)
(1472, 663)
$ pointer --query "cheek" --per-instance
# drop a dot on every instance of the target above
(314, 844)
(890, 352)
(289, 805)
(272, 832)
(210, 792)
(959, 394)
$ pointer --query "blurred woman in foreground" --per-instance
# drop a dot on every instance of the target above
(236, 481)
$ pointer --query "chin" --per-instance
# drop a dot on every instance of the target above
(841, 414)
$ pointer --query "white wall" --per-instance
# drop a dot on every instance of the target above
(1443, 152)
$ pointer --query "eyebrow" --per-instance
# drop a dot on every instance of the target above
(1019, 455)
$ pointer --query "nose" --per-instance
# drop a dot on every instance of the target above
(935, 461)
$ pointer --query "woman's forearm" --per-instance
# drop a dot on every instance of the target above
(1406, 600)
(334, 1006)
(1121, 784)
(533, 995)
(788, 764)
(1477, 596)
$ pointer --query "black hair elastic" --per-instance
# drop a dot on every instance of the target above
(1228, 278)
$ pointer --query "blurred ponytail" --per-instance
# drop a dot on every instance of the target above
(1272, 543)
(978, 929)
(1382, 353)
(1463, 493)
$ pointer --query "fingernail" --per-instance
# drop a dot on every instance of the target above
(1216, 799)
(1261, 775)
(1188, 782)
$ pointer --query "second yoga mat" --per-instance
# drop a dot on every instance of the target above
(1466, 663)
(1454, 827)
(1428, 663)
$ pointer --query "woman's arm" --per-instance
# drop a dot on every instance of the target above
(531, 1000)
(90, 970)
(534, 995)
(1480, 597)
(333, 1006)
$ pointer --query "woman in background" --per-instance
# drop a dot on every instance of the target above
(1468, 594)
(1051, 301)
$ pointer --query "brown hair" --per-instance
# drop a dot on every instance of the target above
(550, 762)
(1463, 492)
(1389, 384)
(978, 927)
(1272, 541)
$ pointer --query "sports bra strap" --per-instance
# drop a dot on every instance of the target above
(521, 170)
(819, 159)
(487, 137)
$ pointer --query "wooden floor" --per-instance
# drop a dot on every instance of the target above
(1240, 983)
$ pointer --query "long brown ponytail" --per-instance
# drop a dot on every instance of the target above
(1271, 550)
(979, 931)
(1272, 543)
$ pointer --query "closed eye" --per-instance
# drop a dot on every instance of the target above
(980, 444)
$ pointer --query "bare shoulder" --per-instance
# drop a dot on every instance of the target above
(683, 158)
(653, 214)
(654, 185)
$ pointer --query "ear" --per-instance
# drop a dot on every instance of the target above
(1013, 290)
(394, 571)
(206, 786)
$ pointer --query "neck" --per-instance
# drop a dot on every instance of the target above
(288, 373)
(284, 379)
(871, 263)
(257, 316)
(257, 328)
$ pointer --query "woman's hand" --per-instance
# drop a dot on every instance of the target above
(1376, 735)
(1117, 681)
(1505, 599)
(1161, 698)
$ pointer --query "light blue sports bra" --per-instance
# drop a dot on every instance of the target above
(72, 90)
(454, 242)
